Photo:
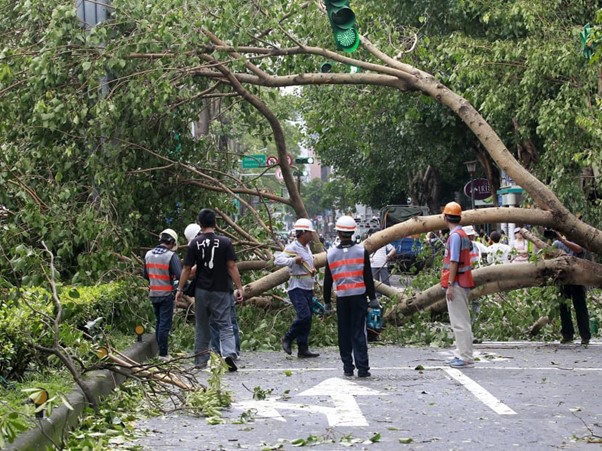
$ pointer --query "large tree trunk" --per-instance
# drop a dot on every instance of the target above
(492, 279)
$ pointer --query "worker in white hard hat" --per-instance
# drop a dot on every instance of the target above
(162, 267)
(348, 271)
(300, 261)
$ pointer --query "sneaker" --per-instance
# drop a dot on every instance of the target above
(566, 340)
(364, 374)
(584, 342)
(164, 358)
(348, 373)
(459, 363)
(231, 365)
(452, 360)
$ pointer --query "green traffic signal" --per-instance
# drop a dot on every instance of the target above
(304, 160)
(342, 22)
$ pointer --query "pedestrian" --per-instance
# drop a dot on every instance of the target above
(191, 231)
(300, 261)
(497, 253)
(520, 248)
(216, 270)
(379, 262)
(504, 237)
(162, 267)
(482, 238)
(479, 250)
(577, 293)
(456, 279)
(348, 270)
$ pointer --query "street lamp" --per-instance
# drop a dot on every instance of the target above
(471, 166)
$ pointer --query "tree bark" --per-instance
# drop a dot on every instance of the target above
(492, 279)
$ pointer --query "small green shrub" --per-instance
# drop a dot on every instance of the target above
(26, 318)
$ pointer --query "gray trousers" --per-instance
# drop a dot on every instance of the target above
(212, 307)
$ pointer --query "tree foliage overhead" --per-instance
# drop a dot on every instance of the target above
(97, 154)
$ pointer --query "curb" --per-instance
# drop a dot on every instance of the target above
(50, 430)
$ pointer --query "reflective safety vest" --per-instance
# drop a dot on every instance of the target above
(347, 269)
(464, 274)
(475, 256)
(157, 268)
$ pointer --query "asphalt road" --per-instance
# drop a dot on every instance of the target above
(519, 395)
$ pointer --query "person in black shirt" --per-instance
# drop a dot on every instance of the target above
(215, 260)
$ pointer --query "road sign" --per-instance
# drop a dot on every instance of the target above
(279, 175)
(253, 161)
(481, 187)
(289, 157)
(271, 161)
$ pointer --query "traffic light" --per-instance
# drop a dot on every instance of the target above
(326, 67)
(342, 21)
(304, 160)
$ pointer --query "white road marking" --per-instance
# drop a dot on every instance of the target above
(481, 394)
(345, 412)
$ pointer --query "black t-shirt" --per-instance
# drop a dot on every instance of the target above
(210, 253)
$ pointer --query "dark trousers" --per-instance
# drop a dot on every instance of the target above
(163, 307)
(351, 314)
(299, 330)
(577, 294)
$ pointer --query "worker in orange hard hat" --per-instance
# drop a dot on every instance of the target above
(456, 279)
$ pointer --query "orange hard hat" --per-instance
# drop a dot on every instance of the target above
(452, 209)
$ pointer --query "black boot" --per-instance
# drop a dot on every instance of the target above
(305, 353)
(286, 346)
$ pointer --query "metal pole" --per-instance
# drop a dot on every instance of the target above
(472, 189)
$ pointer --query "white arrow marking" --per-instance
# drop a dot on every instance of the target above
(346, 411)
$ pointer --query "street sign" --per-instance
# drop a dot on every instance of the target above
(481, 187)
(278, 174)
(271, 161)
(253, 161)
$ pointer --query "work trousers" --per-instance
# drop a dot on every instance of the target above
(212, 307)
(353, 339)
(459, 318)
(577, 294)
(163, 308)
(301, 327)
(235, 330)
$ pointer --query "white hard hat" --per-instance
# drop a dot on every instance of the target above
(191, 231)
(169, 235)
(345, 224)
(469, 230)
(304, 224)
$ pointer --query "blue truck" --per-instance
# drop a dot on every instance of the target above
(408, 249)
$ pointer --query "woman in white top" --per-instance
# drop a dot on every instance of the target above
(520, 248)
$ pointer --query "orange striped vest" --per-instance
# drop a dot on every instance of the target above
(464, 275)
(347, 269)
(157, 268)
